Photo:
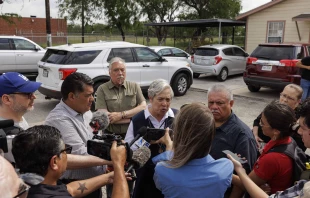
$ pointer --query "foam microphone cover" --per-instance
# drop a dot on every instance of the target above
(6, 123)
(141, 156)
(101, 117)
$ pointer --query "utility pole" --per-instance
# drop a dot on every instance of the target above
(48, 23)
(83, 28)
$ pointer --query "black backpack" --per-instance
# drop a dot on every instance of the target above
(298, 156)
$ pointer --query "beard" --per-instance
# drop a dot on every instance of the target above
(18, 108)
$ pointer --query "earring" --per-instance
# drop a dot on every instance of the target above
(274, 138)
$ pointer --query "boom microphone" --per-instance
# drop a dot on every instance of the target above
(100, 121)
(141, 132)
(139, 158)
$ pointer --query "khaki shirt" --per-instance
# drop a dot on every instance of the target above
(115, 99)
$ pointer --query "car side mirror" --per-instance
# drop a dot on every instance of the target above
(246, 55)
(36, 48)
(161, 59)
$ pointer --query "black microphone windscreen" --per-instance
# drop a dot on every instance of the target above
(141, 156)
(142, 131)
(6, 123)
(102, 119)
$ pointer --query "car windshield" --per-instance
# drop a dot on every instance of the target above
(274, 52)
(69, 58)
(206, 52)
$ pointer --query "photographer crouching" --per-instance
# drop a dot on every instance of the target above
(41, 155)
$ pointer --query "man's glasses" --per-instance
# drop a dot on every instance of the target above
(23, 190)
(67, 149)
(287, 97)
(29, 95)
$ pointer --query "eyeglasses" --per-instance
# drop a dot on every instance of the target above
(67, 149)
(23, 189)
(261, 124)
(29, 95)
(287, 97)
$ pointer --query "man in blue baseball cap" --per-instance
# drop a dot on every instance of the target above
(17, 97)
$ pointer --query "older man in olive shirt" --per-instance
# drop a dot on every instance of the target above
(120, 98)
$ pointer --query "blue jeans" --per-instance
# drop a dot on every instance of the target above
(305, 85)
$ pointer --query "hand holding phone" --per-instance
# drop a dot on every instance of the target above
(233, 155)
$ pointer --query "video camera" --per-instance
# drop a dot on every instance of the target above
(7, 133)
(100, 146)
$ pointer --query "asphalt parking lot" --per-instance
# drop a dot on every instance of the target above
(247, 105)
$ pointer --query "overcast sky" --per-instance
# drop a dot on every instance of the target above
(26, 8)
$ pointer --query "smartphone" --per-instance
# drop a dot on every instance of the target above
(156, 134)
(242, 161)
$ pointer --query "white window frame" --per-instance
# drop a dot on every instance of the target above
(275, 29)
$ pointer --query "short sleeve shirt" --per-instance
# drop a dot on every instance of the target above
(275, 168)
(118, 99)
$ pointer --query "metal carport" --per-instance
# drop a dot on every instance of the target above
(202, 23)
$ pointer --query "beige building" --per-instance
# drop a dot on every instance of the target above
(282, 21)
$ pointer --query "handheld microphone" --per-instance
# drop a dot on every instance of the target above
(141, 132)
(100, 121)
(139, 158)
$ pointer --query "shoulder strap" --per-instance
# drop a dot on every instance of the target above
(287, 149)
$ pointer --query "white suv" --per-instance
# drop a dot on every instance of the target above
(19, 54)
(143, 66)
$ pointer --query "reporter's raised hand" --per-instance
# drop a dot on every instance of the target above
(166, 140)
(118, 154)
(237, 165)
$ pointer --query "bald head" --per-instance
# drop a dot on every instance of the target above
(9, 181)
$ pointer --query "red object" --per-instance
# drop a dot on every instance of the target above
(289, 63)
(65, 72)
(192, 58)
(217, 60)
(275, 168)
(250, 60)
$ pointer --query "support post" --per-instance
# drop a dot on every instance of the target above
(48, 23)
(298, 31)
(233, 36)
(174, 37)
(220, 26)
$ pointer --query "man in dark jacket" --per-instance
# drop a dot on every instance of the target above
(41, 156)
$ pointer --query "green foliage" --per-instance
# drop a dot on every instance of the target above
(120, 13)
(205, 9)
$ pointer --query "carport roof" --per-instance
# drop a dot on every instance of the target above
(301, 17)
(201, 22)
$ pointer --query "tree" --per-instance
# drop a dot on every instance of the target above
(76, 9)
(120, 13)
(206, 9)
(158, 11)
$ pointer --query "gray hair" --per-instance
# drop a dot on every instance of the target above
(115, 60)
(221, 88)
(157, 86)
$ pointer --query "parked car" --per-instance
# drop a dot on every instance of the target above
(19, 54)
(219, 60)
(273, 65)
(171, 53)
(143, 66)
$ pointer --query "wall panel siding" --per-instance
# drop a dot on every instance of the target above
(285, 11)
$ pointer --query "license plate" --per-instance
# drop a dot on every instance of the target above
(45, 73)
(267, 68)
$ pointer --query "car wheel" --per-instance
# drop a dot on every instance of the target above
(180, 84)
(223, 75)
(196, 75)
(253, 88)
(95, 95)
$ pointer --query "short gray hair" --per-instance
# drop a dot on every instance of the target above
(115, 60)
(157, 86)
(221, 88)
